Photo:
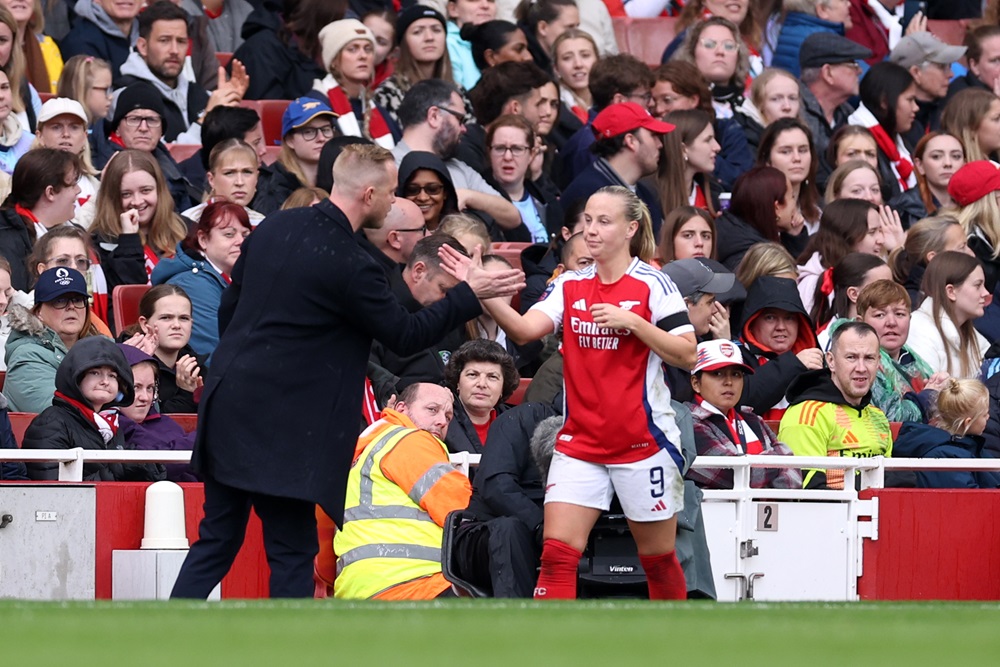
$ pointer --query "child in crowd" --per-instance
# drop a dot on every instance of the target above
(93, 380)
(964, 408)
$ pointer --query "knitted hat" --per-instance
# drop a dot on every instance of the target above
(139, 95)
(974, 181)
(336, 35)
(414, 13)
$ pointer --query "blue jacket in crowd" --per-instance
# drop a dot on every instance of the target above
(921, 441)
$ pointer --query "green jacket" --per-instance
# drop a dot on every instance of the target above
(33, 354)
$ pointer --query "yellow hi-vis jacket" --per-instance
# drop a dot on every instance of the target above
(388, 538)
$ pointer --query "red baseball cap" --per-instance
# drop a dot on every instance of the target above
(974, 181)
(626, 117)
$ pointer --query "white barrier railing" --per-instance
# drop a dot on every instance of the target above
(872, 469)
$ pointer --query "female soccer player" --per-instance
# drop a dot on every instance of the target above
(621, 319)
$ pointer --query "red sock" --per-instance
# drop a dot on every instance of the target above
(665, 577)
(560, 563)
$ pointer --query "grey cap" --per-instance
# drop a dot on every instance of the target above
(735, 293)
(923, 47)
(692, 276)
(827, 48)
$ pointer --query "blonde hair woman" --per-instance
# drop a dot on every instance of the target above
(598, 454)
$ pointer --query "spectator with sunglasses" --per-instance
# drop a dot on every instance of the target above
(424, 179)
(41, 337)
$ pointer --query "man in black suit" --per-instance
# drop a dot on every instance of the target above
(278, 417)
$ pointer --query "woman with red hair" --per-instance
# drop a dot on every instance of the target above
(203, 264)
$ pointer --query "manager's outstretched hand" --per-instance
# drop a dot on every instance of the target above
(486, 284)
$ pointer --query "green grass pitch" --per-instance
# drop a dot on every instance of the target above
(512, 634)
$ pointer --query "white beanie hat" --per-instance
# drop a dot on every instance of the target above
(335, 36)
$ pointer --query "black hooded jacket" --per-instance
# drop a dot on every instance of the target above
(508, 482)
(63, 426)
(773, 372)
(416, 160)
(278, 71)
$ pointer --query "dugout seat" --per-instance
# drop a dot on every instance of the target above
(610, 567)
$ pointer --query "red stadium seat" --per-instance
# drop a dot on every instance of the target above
(181, 152)
(125, 300)
(3, 378)
(518, 396)
(223, 57)
(19, 422)
(271, 112)
(187, 420)
(271, 154)
(509, 251)
(621, 25)
(45, 97)
(647, 38)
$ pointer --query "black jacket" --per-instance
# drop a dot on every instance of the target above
(425, 365)
(9, 470)
(539, 262)
(123, 261)
(172, 398)
(281, 402)
(910, 206)
(16, 241)
(274, 184)
(462, 434)
(508, 482)
(278, 71)
(63, 426)
(773, 372)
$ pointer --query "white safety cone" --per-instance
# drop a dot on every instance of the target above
(164, 527)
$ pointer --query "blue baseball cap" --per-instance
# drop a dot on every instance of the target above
(56, 282)
(301, 111)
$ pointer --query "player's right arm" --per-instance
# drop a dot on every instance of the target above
(521, 329)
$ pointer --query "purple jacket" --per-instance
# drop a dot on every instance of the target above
(161, 433)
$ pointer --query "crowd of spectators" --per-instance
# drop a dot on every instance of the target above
(821, 179)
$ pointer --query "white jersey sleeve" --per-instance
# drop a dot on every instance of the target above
(553, 300)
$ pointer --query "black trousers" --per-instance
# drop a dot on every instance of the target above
(289, 541)
(499, 555)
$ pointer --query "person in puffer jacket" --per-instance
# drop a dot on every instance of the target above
(963, 407)
(202, 266)
(92, 382)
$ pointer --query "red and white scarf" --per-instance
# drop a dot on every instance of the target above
(348, 121)
(105, 421)
(899, 156)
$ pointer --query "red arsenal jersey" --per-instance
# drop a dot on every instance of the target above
(617, 402)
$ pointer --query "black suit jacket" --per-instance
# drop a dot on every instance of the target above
(280, 409)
